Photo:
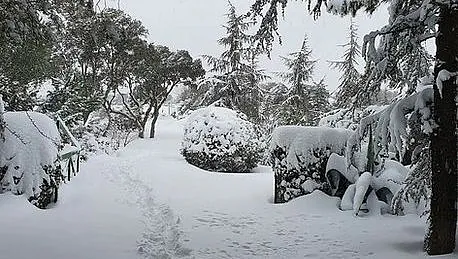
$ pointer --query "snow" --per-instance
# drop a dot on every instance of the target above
(220, 140)
(310, 185)
(339, 163)
(347, 199)
(391, 177)
(302, 141)
(362, 184)
(148, 202)
(206, 125)
(31, 141)
(442, 76)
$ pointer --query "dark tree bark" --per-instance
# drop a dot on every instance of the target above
(440, 238)
(152, 132)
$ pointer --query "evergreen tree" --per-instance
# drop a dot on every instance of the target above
(25, 51)
(237, 68)
(350, 78)
(398, 43)
(305, 99)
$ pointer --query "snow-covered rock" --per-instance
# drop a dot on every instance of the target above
(222, 140)
(299, 154)
(29, 157)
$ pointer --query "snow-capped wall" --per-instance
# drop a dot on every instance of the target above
(219, 139)
(29, 157)
(299, 154)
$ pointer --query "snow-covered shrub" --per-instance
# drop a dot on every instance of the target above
(29, 157)
(347, 118)
(222, 140)
(103, 136)
(299, 154)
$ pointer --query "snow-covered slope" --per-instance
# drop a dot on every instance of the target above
(147, 202)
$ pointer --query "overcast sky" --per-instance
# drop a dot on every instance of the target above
(196, 25)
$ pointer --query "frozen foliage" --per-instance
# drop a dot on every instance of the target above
(29, 157)
(299, 154)
(392, 128)
(222, 140)
(347, 118)
(415, 191)
(310, 185)
(103, 135)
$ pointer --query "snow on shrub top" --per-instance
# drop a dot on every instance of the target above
(31, 142)
(302, 141)
(206, 125)
(392, 176)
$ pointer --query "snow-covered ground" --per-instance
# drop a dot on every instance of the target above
(147, 202)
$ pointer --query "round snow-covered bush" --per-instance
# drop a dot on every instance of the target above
(221, 140)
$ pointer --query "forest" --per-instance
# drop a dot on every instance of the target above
(113, 145)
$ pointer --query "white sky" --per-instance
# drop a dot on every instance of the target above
(196, 25)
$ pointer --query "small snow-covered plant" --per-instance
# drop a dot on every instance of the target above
(29, 163)
(102, 135)
(221, 140)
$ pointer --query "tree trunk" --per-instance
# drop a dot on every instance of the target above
(440, 238)
(152, 131)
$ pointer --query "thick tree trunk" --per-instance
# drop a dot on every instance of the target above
(440, 238)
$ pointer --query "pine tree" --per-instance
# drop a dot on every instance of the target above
(237, 68)
(399, 42)
(350, 79)
(305, 99)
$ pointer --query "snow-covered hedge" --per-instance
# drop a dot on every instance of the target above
(29, 162)
(299, 156)
(222, 140)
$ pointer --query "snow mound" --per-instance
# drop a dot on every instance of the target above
(29, 157)
(220, 139)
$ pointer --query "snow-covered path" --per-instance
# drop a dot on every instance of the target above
(147, 202)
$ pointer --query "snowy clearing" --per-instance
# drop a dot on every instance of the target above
(147, 202)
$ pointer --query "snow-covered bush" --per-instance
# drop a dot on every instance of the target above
(103, 136)
(347, 118)
(29, 157)
(222, 140)
(300, 154)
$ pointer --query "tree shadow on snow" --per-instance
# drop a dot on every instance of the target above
(410, 247)
(415, 244)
